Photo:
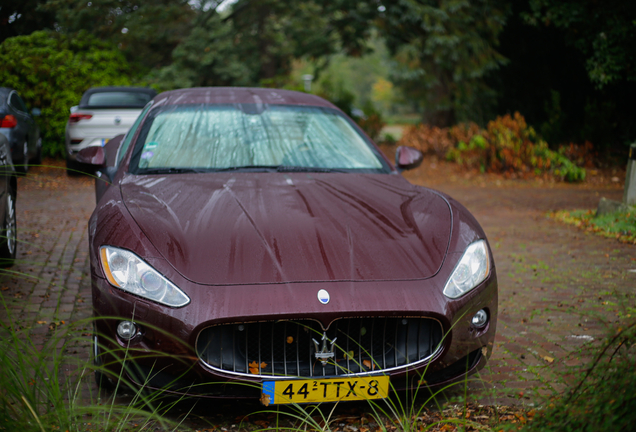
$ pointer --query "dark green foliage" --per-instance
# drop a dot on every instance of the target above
(444, 50)
(208, 56)
(146, 31)
(23, 17)
(604, 32)
(550, 45)
(51, 71)
(604, 398)
(256, 42)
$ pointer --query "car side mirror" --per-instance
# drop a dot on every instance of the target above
(407, 158)
(92, 155)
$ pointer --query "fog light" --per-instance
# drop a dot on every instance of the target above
(480, 319)
(127, 330)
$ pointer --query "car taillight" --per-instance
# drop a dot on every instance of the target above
(74, 118)
(8, 121)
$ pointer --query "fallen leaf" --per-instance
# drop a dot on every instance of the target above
(4, 288)
(548, 359)
(41, 322)
(290, 339)
(368, 364)
(264, 401)
(253, 366)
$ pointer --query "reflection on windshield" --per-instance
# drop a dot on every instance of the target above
(209, 137)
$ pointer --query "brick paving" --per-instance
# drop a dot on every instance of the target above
(557, 284)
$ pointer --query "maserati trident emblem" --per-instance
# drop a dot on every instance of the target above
(323, 296)
(325, 353)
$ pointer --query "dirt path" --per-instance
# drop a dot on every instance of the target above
(557, 284)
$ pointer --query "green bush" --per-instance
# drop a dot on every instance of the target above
(51, 71)
(510, 146)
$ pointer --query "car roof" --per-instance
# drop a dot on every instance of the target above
(87, 94)
(232, 95)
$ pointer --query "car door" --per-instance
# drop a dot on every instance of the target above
(27, 128)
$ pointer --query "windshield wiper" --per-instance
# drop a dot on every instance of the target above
(247, 168)
(284, 168)
(258, 168)
(170, 171)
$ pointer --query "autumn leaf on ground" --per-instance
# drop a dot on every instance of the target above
(548, 359)
(290, 339)
(368, 364)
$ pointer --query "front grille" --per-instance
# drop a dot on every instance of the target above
(288, 348)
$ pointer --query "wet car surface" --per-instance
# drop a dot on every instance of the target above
(258, 236)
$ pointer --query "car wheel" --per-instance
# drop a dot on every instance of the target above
(37, 160)
(9, 232)
(73, 168)
(24, 167)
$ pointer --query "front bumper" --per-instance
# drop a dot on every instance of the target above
(73, 149)
(163, 355)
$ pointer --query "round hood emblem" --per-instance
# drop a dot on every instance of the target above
(323, 296)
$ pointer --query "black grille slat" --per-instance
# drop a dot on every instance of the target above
(285, 348)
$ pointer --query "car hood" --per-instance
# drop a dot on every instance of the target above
(260, 228)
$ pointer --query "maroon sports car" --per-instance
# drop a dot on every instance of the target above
(254, 242)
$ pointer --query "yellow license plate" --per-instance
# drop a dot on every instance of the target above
(325, 390)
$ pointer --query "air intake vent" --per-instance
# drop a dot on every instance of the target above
(289, 348)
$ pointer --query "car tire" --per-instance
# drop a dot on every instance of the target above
(73, 168)
(23, 168)
(9, 232)
(37, 160)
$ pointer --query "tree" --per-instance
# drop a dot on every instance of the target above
(444, 50)
(603, 31)
(211, 55)
(256, 42)
(146, 31)
(571, 71)
(23, 17)
(51, 71)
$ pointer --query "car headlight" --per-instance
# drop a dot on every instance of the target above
(471, 270)
(128, 272)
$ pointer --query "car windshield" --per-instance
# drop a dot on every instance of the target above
(250, 137)
(119, 99)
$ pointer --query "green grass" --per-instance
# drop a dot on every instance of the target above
(618, 225)
(602, 398)
(44, 388)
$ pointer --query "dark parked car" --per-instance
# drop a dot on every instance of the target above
(257, 236)
(8, 194)
(18, 125)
